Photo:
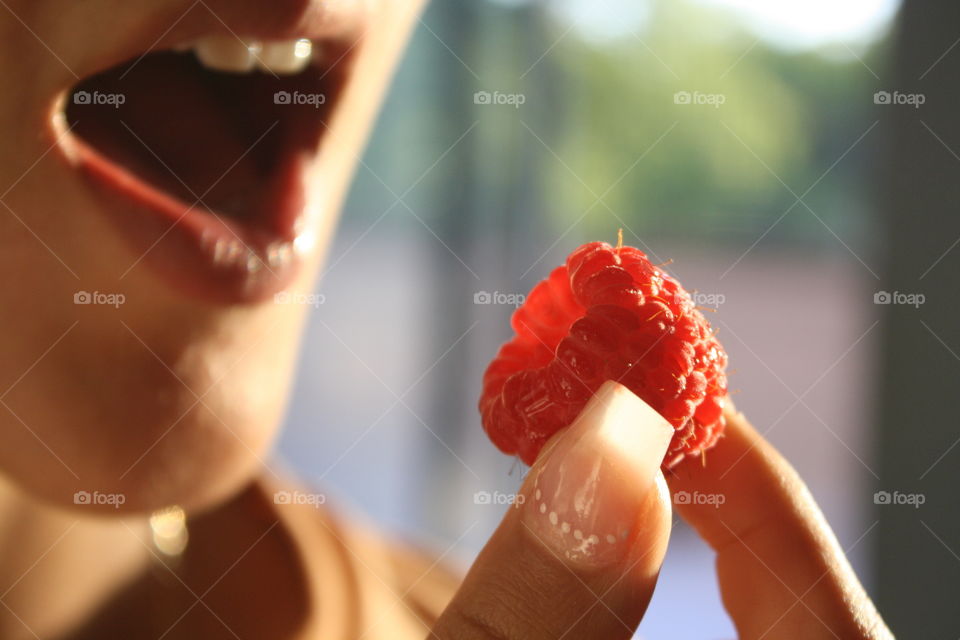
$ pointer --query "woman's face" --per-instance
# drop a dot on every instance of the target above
(161, 222)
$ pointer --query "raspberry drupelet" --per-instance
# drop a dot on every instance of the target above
(607, 314)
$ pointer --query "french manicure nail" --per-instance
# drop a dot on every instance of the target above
(585, 492)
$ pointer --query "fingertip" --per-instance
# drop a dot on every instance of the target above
(589, 498)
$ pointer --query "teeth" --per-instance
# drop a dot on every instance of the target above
(242, 55)
(231, 253)
(287, 57)
(226, 53)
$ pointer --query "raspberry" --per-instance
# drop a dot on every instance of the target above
(607, 314)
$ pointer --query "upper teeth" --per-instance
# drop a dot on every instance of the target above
(241, 55)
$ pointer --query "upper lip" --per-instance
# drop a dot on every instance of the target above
(186, 21)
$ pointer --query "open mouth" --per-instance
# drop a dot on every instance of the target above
(208, 146)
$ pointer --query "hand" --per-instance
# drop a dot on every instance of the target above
(579, 556)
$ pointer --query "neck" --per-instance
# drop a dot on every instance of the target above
(57, 566)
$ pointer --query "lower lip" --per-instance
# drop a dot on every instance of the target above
(199, 253)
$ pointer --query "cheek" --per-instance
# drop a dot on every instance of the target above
(173, 410)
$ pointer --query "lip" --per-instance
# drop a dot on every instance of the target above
(195, 249)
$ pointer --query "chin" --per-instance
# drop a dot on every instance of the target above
(153, 415)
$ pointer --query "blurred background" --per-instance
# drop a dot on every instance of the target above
(797, 163)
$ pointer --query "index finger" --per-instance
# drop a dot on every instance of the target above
(782, 572)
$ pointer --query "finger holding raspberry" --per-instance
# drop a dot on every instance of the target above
(781, 571)
(579, 553)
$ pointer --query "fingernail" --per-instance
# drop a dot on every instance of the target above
(586, 490)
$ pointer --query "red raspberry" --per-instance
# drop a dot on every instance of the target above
(607, 314)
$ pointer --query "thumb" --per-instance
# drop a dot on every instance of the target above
(579, 554)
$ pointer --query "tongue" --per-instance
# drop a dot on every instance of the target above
(185, 130)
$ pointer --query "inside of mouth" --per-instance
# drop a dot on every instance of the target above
(219, 141)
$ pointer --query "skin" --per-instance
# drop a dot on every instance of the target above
(97, 398)
(780, 569)
(123, 376)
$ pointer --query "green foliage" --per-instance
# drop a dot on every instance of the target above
(600, 136)
(713, 169)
